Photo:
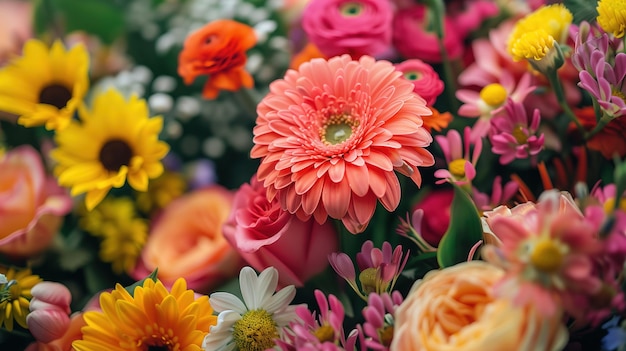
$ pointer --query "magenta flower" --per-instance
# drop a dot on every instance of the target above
(379, 269)
(319, 332)
(379, 319)
(461, 169)
(499, 195)
(424, 78)
(513, 135)
(354, 27)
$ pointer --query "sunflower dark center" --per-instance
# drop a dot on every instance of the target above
(56, 95)
(115, 154)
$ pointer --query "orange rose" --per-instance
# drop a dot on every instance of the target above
(187, 241)
(218, 49)
(454, 309)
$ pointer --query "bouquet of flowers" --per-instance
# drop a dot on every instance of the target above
(312, 175)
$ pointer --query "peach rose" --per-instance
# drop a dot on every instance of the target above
(32, 205)
(187, 241)
(454, 309)
(266, 235)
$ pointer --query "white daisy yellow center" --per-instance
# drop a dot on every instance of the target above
(255, 331)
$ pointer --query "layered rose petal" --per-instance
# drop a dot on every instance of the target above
(331, 135)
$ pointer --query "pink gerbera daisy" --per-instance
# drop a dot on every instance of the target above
(331, 134)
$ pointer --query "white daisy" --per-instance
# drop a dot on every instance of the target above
(251, 325)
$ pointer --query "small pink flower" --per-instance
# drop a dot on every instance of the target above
(513, 135)
(379, 269)
(424, 78)
(499, 195)
(413, 39)
(32, 204)
(354, 27)
(265, 235)
(457, 153)
(379, 319)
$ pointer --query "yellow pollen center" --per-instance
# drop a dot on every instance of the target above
(370, 281)
(457, 167)
(610, 204)
(546, 256)
(255, 331)
(351, 9)
(385, 335)
(618, 93)
(337, 129)
(325, 333)
(519, 133)
(493, 94)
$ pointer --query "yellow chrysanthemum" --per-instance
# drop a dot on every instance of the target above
(554, 20)
(152, 319)
(15, 296)
(115, 141)
(533, 45)
(612, 16)
(45, 85)
(124, 234)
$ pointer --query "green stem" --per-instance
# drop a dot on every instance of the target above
(560, 96)
(604, 120)
(248, 99)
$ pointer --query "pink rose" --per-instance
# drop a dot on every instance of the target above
(355, 27)
(425, 80)
(32, 205)
(187, 241)
(265, 235)
(413, 40)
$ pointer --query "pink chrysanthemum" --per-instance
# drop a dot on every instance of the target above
(513, 133)
(319, 332)
(461, 170)
(331, 134)
(379, 319)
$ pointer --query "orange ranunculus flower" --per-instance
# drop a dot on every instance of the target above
(187, 241)
(219, 50)
(454, 309)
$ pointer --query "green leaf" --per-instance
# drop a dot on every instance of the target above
(131, 288)
(101, 18)
(464, 231)
(583, 10)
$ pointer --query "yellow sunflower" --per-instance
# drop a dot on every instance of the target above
(15, 296)
(45, 85)
(115, 141)
(152, 319)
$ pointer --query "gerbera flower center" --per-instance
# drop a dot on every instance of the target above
(158, 348)
(519, 133)
(493, 94)
(547, 256)
(337, 129)
(255, 331)
(351, 9)
(114, 154)
(325, 333)
(612, 16)
(413, 75)
(457, 167)
(56, 95)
